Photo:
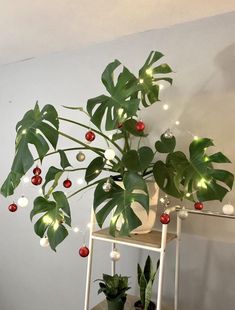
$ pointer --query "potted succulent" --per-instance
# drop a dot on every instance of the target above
(145, 280)
(192, 177)
(114, 288)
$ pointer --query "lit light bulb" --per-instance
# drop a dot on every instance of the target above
(165, 107)
(188, 195)
(141, 81)
(97, 171)
(206, 158)
(109, 154)
(89, 225)
(75, 229)
(177, 123)
(47, 220)
(195, 138)
(37, 131)
(149, 71)
(120, 111)
(23, 202)
(162, 200)
(24, 131)
(161, 86)
(202, 183)
(56, 225)
(228, 209)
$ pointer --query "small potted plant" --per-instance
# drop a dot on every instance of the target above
(114, 288)
(145, 280)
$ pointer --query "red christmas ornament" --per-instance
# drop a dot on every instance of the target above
(67, 183)
(37, 171)
(13, 207)
(198, 205)
(139, 126)
(36, 180)
(90, 136)
(84, 251)
(165, 218)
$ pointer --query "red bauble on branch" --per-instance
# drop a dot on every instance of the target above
(37, 171)
(90, 136)
(36, 180)
(165, 218)
(12, 207)
(67, 183)
(84, 251)
(198, 205)
(140, 126)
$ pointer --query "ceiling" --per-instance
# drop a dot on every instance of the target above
(35, 28)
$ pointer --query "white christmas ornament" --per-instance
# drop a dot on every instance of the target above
(109, 154)
(115, 255)
(81, 156)
(228, 209)
(23, 202)
(44, 242)
(107, 187)
(183, 214)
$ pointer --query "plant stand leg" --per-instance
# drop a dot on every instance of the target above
(88, 275)
(161, 266)
(177, 263)
(113, 269)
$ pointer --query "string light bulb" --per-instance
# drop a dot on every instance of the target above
(165, 107)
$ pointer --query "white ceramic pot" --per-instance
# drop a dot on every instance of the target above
(148, 220)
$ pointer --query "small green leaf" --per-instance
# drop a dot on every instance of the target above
(64, 162)
(53, 174)
(165, 145)
(94, 169)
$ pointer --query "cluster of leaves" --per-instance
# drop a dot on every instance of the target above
(114, 287)
(146, 278)
(118, 110)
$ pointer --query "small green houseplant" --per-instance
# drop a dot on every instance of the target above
(114, 288)
(190, 176)
(145, 280)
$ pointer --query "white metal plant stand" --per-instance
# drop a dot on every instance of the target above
(155, 241)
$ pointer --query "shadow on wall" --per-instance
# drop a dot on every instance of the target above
(225, 61)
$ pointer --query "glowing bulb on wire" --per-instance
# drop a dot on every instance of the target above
(109, 154)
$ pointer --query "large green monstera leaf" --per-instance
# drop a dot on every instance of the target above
(119, 200)
(38, 128)
(126, 94)
(196, 175)
(56, 214)
(119, 104)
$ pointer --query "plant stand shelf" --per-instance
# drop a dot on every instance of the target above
(128, 306)
(150, 241)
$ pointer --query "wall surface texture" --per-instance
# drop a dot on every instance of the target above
(202, 98)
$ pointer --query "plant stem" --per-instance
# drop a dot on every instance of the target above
(96, 131)
(85, 187)
(82, 143)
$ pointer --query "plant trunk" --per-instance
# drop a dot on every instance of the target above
(116, 305)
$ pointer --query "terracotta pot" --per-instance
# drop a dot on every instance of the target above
(148, 220)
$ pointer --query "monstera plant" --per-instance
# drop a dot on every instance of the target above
(185, 176)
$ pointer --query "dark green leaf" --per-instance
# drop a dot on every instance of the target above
(130, 126)
(165, 145)
(64, 162)
(55, 237)
(94, 169)
(53, 174)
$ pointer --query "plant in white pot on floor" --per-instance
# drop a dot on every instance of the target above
(192, 177)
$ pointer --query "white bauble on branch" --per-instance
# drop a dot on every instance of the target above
(109, 154)
(44, 242)
(115, 255)
(23, 202)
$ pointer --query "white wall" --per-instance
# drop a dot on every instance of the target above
(202, 54)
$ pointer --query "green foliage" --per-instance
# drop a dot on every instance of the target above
(180, 175)
(146, 278)
(56, 214)
(39, 128)
(177, 174)
(119, 199)
(126, 95)
(113, 287)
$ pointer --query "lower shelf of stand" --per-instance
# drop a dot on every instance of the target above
(128, 306)
(150, 241)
